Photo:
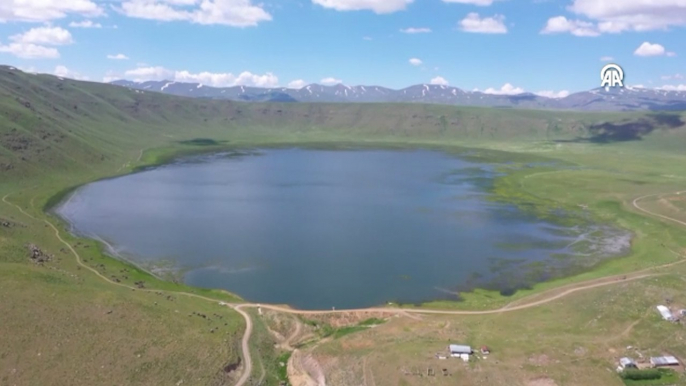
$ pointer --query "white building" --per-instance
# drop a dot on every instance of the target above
(664, 361)
(666, 313)
(457, 350)
(627, 363)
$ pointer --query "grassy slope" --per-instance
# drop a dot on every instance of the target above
(57, 134)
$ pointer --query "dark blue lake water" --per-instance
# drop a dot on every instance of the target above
(318, 229)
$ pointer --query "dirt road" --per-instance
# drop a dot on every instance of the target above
(636, 201)
(245, 347)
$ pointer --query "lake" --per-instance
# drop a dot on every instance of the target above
(318, 229)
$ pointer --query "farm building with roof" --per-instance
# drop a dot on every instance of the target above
(457, 349)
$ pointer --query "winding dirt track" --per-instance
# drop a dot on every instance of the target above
(636, 201)
(555, 294)
(245, 346)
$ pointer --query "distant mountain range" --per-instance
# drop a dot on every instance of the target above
(618, 99)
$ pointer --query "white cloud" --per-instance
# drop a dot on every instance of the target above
(245, 78)
(64, 72)
(45, 10)
(439, 80)
(30, 51)
(507, 89)
(367, 38)
(671, 54)
(33, 43)
(561, 24)
(552, 94)
(606, 59)
(651, 49)
(673, 87)
(416, 30)
(488, 25)
(481, 3)
(675, 76)
(415, 62)
(632, 15)
(377, 6)
(297, 84)
(330, 81)
(227, 79)
(85, 24)
(142, 74)
(118, 57)
(235, 13)
(51, 36)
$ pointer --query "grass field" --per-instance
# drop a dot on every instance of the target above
(95, 322)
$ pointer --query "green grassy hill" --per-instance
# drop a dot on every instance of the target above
(53, 125)
(64, 324)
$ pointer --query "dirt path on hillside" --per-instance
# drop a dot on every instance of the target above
(637, 200)
(245, 347)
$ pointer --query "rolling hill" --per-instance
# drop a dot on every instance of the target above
(49, 123)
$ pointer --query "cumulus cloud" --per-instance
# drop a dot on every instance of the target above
(330, 81)
(33, 44)
(507, 89)
(142, 74)
(606, 58)
(118, 57)
(632, 15)
(416, 30)
(673, 87)
(612, 16)
(234, 13)
(30, 51)
(245, 78)
(481, 3)
(552, 94)
(415, 62)
(85, 24)
(45, 10)
(297, 84)
(652, 49)
(64, 72)
(487, 25)
(53, 36)
(377, 6)
(561, 24)
(439, 80)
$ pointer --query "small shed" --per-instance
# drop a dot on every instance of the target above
(664, 361)
(457, 350)
(627, 363)
(666, 313)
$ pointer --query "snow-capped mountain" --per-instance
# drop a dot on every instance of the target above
(621, 99)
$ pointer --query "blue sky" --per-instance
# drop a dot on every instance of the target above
(502, 46)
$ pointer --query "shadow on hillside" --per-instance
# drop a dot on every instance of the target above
(609, 132)
(202, 142)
